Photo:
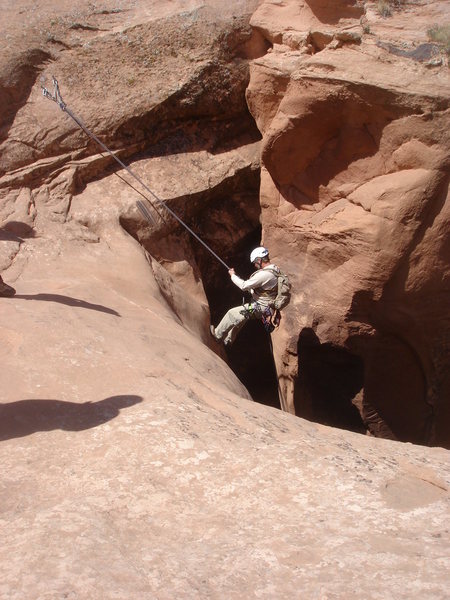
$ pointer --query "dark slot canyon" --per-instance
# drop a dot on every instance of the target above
(329, 377)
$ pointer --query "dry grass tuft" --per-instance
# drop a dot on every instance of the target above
(441, 35)
(385, 7)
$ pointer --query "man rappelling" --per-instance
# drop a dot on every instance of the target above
(270, 291)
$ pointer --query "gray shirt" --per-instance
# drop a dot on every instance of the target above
(258, 285)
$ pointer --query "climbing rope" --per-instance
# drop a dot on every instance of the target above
(281, 398)
(56, 97)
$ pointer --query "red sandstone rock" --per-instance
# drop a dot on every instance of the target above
(354, 197)
(133, 463)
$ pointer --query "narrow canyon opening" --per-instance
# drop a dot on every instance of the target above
(329, 379)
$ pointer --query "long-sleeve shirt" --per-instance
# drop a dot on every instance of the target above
(259, 284)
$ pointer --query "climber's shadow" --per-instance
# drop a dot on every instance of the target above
(24, 417)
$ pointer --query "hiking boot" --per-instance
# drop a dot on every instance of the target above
(6, 291)
(213, 333)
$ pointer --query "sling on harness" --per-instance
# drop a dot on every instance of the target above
(271, 318)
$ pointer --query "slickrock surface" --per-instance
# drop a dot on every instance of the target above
(134, 466)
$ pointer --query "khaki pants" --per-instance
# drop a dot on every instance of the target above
(234, 320)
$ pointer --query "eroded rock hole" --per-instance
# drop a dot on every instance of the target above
(329, 380)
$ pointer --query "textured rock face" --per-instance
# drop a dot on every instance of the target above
(160, 67)
(141, 495)
(355, 204)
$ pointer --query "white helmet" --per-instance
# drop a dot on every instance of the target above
(259, 252)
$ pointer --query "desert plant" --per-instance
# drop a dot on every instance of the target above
(441, 35)
(384, 8)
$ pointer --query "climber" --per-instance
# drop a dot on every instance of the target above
(267, 294)
(6, 291)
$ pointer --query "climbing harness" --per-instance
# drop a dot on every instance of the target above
(56, 97)
(277, 298)
(249, 310)
(270, 318)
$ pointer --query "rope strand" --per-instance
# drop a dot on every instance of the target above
(56, 97)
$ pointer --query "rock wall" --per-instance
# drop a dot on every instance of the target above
(354, 198)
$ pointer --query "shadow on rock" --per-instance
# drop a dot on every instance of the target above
(69, 301)
(16, 231)
(329, 379)
(24, 417)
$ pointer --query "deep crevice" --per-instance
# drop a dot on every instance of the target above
(251, 359)
(329, 379)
